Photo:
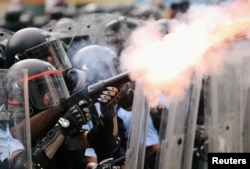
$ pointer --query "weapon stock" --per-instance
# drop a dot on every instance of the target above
(89, 92)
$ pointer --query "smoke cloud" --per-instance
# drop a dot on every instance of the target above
(198, 40)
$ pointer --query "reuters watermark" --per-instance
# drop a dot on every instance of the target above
(228, 160)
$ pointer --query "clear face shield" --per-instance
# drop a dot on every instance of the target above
(47, 89)
(51, 51)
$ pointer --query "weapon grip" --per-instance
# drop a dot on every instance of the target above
(89, 93)
(75, 98)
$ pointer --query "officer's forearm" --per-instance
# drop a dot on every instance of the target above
(45, 120)
(39, 123)
(82, 141)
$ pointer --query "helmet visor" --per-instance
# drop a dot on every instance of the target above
(47, 89)
(51, 51)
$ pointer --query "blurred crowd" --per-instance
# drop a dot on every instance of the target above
(18, 16)
(54, 19)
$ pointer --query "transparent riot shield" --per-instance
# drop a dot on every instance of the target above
(137, 132)
(177, 130)
(93, 25)
(106, 29)
(226, 97)
(246, 107)
(15, 146)
(244, 95)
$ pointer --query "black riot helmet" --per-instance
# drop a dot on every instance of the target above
(34, 42)
(45, 83)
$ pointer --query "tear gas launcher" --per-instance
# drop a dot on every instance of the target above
(88, 93)
(42, 152)
(91, 91)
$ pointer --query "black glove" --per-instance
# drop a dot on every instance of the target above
(104, 138)
(109, 96)
(108, 99)
(45, 149)
(74, 118)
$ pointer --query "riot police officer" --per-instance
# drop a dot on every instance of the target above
(48, 97)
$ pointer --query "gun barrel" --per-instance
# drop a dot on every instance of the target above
(118, 80)
(115, 81)
(90, 91)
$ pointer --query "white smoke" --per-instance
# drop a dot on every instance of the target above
(197, 41)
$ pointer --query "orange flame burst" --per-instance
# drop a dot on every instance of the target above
(169, 61)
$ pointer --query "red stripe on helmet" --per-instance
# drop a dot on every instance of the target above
(44, 74)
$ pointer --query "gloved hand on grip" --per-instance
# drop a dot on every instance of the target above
(74, 118)
(109, 97)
